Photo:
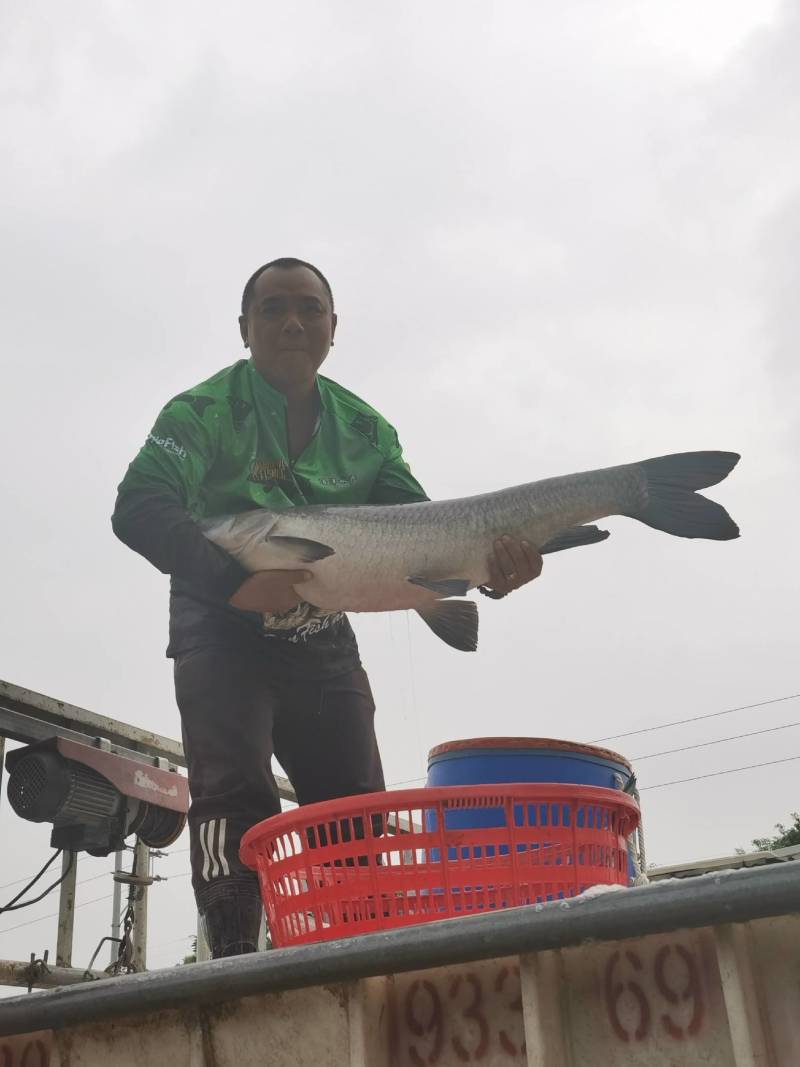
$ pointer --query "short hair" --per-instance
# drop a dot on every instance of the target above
(284, 263)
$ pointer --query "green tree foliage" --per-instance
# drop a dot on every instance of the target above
(787, 835)
(192, 957)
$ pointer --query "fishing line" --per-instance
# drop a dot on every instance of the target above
(406, 702)
(413, 689)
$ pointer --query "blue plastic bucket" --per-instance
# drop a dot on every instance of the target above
(491, 760)
(488, 760)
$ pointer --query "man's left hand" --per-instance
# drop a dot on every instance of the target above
(513, 563)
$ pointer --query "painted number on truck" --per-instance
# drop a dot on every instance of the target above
(462, 1018)
(664, 993)
(24, 1052)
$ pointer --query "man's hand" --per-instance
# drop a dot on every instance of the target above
(514, 563)
(269, 592)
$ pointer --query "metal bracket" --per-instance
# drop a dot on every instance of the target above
(36, 969)
(142, 880)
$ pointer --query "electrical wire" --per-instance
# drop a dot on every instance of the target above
(664, 726)
(83, 904)
(406, 781)
(53, 914)
(94, 878)
(12, 904)
(680, 781)
(716, 774)
(685, 748)
(695, 718)
(17, 881)
(44, 893)
(83, 881)
(719, 741)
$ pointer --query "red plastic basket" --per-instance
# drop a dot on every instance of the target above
(365, 863)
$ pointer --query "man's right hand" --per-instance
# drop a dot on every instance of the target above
(269, 592)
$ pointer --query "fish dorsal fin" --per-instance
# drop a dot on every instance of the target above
(574, 536)
(454, 621)
(441, 586)
(299, 549)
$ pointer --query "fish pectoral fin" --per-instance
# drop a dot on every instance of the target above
(454, 621)
(299, 549)
(574, 536)
(441, 586)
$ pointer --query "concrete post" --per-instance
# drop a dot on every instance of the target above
(66, 910)
(141, 865)
(116, 908)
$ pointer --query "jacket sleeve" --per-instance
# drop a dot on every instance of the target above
(395, 483)
(156, 498)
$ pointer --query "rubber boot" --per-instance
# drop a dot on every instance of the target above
(231, 923)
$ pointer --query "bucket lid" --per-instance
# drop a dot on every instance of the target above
(553, 743)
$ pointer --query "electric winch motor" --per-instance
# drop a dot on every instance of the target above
(95, 798)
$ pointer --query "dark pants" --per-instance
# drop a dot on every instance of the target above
(235, 713)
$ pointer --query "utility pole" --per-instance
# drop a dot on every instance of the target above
(141, 865)
(66, 909)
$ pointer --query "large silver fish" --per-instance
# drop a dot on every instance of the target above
(415, 556)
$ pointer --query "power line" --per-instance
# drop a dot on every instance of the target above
(83, 881)
(176, 852)
(94, 877)
(407, 781)
(695, 718)
(14, 906)
(716, 774)
(34, 877)
(719, 741)
(664, 726)
(53, 914)
(16, 882)
(85, 903)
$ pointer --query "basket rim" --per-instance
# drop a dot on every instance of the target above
(299, 818)
(554, 743)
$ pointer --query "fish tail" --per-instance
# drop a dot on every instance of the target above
(673, 505)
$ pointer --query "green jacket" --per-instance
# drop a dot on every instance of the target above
(221, 447)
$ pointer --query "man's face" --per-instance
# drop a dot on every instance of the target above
(289, 327)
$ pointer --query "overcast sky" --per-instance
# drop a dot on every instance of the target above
(559, 236)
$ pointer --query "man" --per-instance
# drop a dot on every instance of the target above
(257, 670)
